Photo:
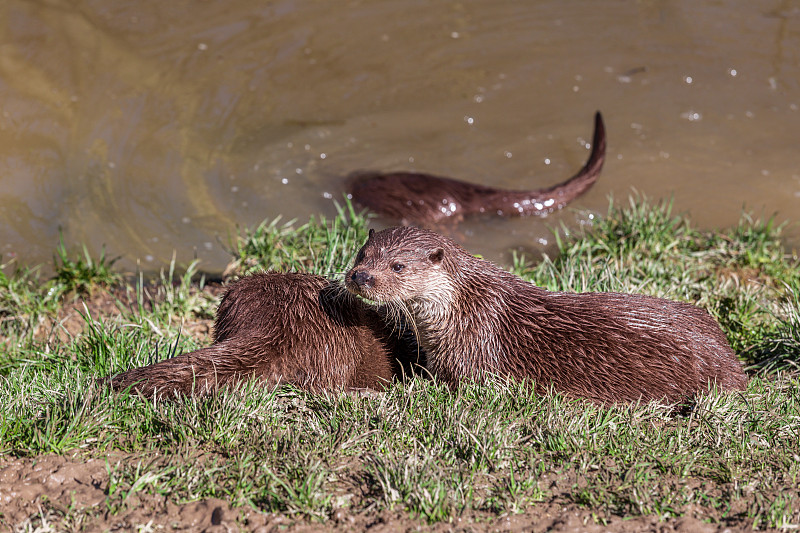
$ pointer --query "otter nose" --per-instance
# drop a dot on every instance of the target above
(362, 278)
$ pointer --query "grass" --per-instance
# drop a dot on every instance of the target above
(84, 274)
(320, 246)
(420, 449)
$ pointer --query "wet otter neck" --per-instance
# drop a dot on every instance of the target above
(453, 324)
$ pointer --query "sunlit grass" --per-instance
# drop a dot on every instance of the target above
(420, 448)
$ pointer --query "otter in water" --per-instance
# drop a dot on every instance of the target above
(424, 199)
(475, 320)
(285, 328)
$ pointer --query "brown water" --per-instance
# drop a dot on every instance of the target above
(154, 127)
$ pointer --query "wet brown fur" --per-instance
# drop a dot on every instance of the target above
(476, 320)
(425, 199)
(284, 328)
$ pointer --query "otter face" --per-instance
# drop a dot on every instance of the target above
(400, 265)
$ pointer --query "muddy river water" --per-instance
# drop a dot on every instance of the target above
(157, 127)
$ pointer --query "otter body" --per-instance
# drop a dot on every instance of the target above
(475, 320)
(284, 328)
(425, 199)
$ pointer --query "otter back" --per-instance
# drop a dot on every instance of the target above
(284, 328)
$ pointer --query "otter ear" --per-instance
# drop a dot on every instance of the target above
(371, 233)
(436, 256)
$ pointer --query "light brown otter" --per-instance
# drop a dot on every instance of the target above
(285, 328)
(475, 320)
(425, 199)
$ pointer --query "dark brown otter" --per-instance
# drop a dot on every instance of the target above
(475, 320)
(285, 328)
(425, 199)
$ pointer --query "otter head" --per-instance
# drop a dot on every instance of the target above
(403, 265)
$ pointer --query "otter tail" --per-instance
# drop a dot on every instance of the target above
(544, 201)
(586, 176)
(565, 192)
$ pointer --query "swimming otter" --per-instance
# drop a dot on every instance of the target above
(285, 328)
(424, 199)
(475, 320)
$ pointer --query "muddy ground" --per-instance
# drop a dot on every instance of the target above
(57, 493)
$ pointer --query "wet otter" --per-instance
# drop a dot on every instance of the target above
(424, 199)
(284, 328)
(475, 320)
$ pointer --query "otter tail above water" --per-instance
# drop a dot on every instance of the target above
(426, 199)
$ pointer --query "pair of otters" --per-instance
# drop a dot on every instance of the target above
(468, 318)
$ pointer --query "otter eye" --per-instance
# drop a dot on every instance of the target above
(397, 267)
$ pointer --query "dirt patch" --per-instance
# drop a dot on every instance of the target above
(48, 484)
(57, 493)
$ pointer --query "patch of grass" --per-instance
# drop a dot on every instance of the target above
(438, 454)
(781, 350)
(23, 301)
(320, 246)
(85, 273)
(174, 296)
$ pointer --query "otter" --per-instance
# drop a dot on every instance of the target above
(285, 328)
(476, 321)
(428, 200)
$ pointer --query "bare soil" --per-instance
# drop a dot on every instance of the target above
(59, 493)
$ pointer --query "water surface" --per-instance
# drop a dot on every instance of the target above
(156, 128)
